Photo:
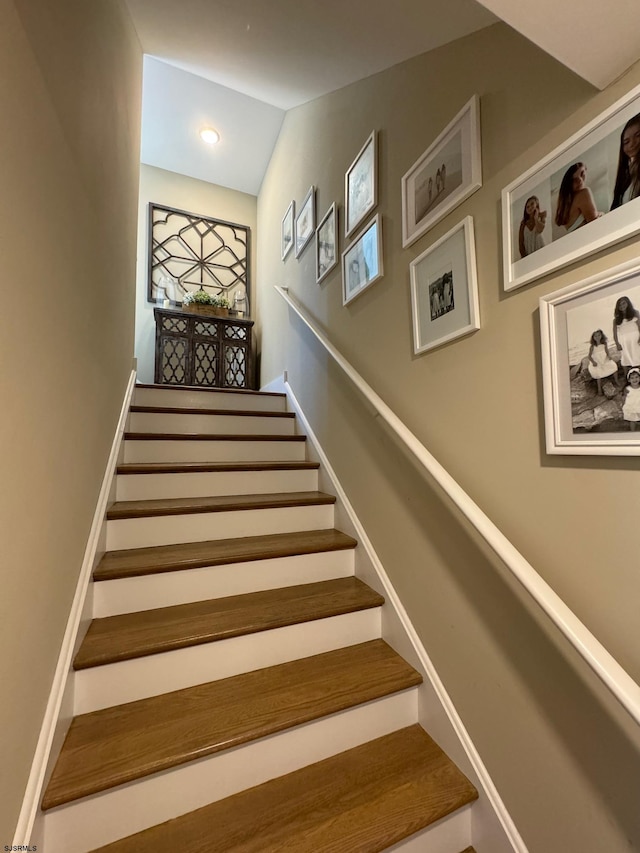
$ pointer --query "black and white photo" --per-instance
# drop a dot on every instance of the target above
(447, 173)
(591, 364)
(444, 290)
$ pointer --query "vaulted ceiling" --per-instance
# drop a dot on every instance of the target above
(240, 65)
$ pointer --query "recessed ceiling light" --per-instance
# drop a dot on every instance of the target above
(209, 135)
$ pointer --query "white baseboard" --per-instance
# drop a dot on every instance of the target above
(59, 708)
(436, 710)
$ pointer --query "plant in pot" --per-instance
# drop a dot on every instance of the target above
(201, 302)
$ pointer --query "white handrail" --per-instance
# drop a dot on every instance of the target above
(605, 666)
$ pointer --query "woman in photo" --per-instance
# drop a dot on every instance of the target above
(601, 365)
(576, 205)
(530, 238)
(626, 332)
(627, 186)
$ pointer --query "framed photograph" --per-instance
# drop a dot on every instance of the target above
(327, 243)
(591, 365)
(306, 221)
(444, 290)
(448, 172)
(361, 186)
(287, 230)
(362, 261)
(581, 198)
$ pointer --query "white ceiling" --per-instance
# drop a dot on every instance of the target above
(286, 53)
(176, 105)
(239, 65)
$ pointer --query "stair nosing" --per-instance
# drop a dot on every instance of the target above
(121, 510)
(127, 468)
(194, 410)
(300, 547)
(347, 595)
(203, 436)
(207, 390)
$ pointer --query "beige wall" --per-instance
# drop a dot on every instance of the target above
(70, 82)
(552, 738)
(183, 193)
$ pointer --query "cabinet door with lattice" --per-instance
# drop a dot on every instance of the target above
(236, 357)
(172, 352)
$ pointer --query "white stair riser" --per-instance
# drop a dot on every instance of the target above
(147, 592)
(222, 424)
(126, 681)
(101, 819)
(140, 487)
(209, 399)
(449, 835)
(157, 450)
(199, 527)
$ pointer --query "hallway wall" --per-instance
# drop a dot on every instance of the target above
(70, 89)
(564, 757)
(183, 193)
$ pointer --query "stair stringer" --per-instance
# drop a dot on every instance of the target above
(492, 827)
(60, 709)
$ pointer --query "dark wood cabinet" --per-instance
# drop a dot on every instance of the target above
(194, 349)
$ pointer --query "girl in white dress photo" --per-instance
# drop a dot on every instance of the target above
(631, 405)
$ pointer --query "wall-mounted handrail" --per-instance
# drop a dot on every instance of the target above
(605, 666)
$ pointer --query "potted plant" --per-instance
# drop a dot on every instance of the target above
(201, 302)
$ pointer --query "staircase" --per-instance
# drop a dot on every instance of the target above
(233, 692)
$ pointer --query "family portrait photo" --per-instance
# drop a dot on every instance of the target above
(576, 201)
(444, 290)
(603, 341)
(590, 347)
(441, 294)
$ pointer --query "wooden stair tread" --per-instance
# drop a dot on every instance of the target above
(246, 391)
(132, 635)
(116, 745)
(363, 800)
(207, 436)
(194, 410)
(155, 559)
(205, 467)
(217, 503)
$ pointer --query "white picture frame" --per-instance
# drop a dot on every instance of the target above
(444, 175)
(583, 416)
(362, 262)
(287, 230)
(598, 148)
(327, 244)
(444, 290)
(305, 221)
(361, 185)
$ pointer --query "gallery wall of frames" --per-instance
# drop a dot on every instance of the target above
(581, 198)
